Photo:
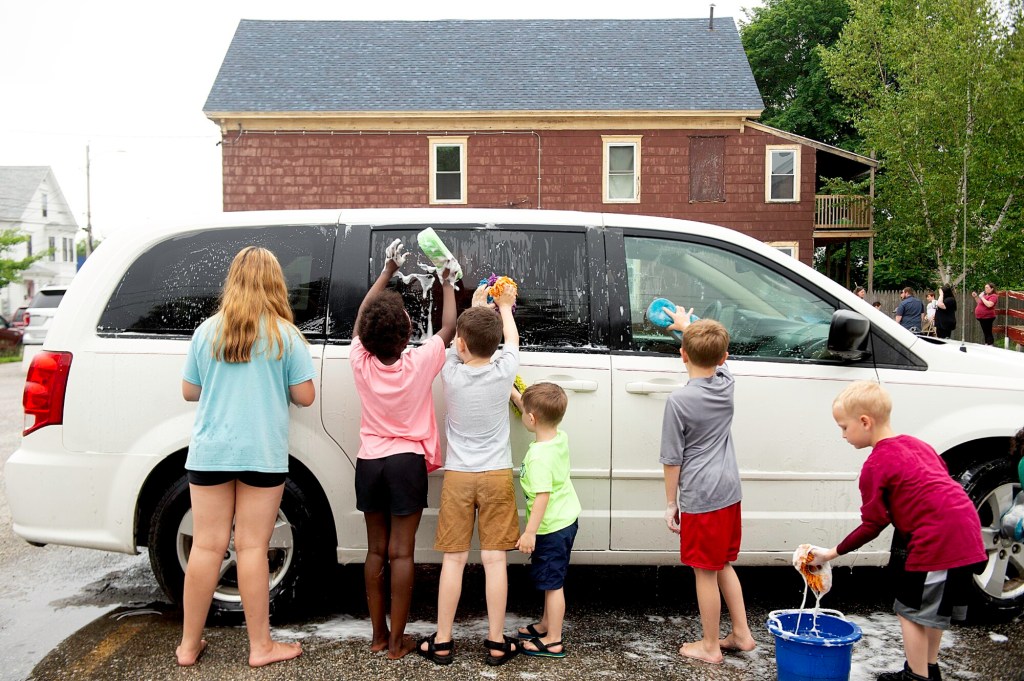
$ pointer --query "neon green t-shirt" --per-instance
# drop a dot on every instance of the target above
(546, 469)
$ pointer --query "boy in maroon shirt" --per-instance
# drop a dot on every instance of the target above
(904, 482)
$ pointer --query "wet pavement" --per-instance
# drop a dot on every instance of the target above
(623, 623)
(88, 615)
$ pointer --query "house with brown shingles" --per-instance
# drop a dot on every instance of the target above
(649, 116)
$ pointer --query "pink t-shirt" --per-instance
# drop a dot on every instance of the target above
(398, 405)
(983, 311)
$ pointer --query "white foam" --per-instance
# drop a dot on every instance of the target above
(998, 638)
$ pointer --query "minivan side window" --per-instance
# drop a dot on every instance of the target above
(767, 314)
(175, 285)
(550, 268)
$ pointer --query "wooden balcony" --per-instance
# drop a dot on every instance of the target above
(839, 216)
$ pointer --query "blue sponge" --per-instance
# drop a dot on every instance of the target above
(657, 315)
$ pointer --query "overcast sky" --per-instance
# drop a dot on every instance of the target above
(130, 78)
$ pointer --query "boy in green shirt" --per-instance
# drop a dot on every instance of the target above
(552, 513)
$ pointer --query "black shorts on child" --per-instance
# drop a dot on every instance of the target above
(934, 599)
(250, 478)
(550, 558)
(395, 484)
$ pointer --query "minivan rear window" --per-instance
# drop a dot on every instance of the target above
(173, 287)
(47, 299)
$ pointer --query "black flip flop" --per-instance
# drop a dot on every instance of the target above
(531, 632)
(544, 649)
(509, 646)
(433, 648)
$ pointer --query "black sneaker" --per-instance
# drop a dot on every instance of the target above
(904, 675)
(934, 674)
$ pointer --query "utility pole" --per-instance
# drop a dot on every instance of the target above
(88, 206)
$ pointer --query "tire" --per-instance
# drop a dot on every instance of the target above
(296, 562)
(998, 592)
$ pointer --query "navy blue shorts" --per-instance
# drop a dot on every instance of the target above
(395, 484)
(251, 478)
(550, 558)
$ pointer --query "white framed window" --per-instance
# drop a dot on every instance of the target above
(46, 204)
(69, 249)
(448, 169)
(620, 179)
(782, 173)
(52, 245)
(790, 248)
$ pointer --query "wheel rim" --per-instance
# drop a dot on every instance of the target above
(279, 556)
(1003, 576)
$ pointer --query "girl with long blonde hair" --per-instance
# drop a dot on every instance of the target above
(244, 365)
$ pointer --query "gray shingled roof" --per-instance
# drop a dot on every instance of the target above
(17, 185)
(533, 65)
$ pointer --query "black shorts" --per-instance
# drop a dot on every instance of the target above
(395, 484)
(935, 599)
(251, 478)
(549, 561)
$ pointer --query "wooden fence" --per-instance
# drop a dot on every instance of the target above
(1009, 327)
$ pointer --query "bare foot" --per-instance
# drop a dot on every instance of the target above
(379, 644)
(278, 652)
(405, 646)
(734, 642)
(697, 651)
(187, 658)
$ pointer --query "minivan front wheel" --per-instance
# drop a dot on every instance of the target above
(289, 557)
(999, 587)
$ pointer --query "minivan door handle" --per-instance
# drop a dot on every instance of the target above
(574, 385)
(644, 388)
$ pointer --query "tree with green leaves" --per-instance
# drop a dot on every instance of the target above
(781, 38)
(937, 88)
(10, 270)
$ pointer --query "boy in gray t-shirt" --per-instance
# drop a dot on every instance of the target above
(702, 484)
(478, 473)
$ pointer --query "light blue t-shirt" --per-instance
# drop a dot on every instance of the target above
(242, 420)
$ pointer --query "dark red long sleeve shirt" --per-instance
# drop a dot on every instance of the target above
(906, 483)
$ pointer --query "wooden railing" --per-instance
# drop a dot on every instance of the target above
(837, 211)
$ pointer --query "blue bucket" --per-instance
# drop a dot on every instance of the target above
(824, 655)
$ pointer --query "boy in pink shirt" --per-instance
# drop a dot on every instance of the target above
(399, 442)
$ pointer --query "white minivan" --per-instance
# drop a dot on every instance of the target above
(101, 461)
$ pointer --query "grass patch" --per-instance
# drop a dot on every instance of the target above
(8, 356)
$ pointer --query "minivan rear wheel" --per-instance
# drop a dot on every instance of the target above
(291, 557)
(998, 592)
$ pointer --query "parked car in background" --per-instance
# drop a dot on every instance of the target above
(18, 319)
(40, 313)
(10, 335)
(101, 460)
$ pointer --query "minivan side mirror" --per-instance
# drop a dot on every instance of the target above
(848, 335)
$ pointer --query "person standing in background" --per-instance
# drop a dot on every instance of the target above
(910, 311)
(985, 310)
(945, 312)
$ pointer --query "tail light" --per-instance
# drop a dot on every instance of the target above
(25, 319)
(45, 384)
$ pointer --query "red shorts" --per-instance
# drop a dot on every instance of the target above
(710, 540)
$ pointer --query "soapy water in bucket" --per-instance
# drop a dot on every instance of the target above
(817, 579)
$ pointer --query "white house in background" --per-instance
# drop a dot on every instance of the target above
(31, 201)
